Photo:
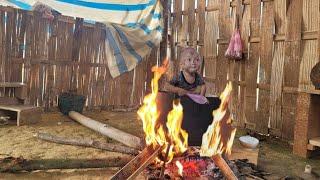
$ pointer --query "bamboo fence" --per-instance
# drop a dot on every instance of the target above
(281, 44)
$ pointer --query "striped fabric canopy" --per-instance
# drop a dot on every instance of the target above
(133, 27)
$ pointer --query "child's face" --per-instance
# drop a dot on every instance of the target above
(190, 61)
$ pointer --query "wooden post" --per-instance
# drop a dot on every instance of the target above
(302, 126)
(291, 65)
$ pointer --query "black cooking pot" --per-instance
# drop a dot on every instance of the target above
(196, 117)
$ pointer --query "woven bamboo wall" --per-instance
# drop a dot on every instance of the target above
(64, 55)
(281, 40)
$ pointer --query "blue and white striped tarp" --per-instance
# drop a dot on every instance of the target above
(133, 27)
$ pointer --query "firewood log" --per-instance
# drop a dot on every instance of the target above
(13, 164)
(224, 167)
(87, 143)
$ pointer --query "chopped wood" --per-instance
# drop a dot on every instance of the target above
(87, 143)
(109, 131)
(138, 164)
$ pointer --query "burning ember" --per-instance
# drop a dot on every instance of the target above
(189, 166)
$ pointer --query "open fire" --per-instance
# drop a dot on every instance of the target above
(172, 137)
(174, 140)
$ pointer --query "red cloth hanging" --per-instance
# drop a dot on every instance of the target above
(235, 48)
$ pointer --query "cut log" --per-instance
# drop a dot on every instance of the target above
(87, 143)
(109, 131)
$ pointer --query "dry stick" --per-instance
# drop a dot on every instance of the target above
(164, 162)
(224, 167)
(132, 169)
(87, 143)
(109, 131)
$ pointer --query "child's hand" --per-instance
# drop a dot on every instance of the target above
(182, 92)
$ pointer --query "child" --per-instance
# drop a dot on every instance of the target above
(188, 81)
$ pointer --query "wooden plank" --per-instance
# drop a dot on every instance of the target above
(277, 71)
(309, 58)
(77, 37)
(210, 42)
(12, 84)
(252, 67)
(192, 26)
(224, 33)
(28, 45)
(291, 67)
(177, 24)
(319, 36)
(8, 45)
(315, 141)
(17, 108)
(234, 69)
(310, 18)
(176, 28)
(183, 33)
(266, 48)
(164, 43)
(202, 22)
(276, 109)
(16, 70)
(245, 29)
(310, 23)
(2, 49)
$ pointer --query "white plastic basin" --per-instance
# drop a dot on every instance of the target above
(249, 142)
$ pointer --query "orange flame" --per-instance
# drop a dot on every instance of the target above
(155, 135)
(211, 139)
(230, 142)
(180, 168)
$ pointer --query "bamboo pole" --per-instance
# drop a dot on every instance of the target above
(109, 131)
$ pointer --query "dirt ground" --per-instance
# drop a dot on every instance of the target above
(274, 157)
